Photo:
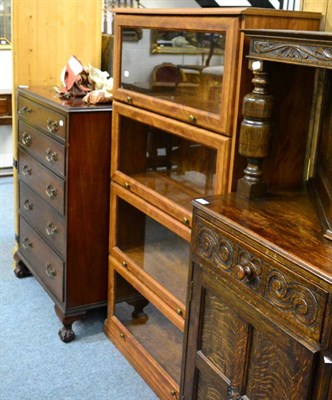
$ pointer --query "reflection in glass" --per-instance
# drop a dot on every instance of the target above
(5, 11)
(183, 67)
(175, 167)
(154, 248)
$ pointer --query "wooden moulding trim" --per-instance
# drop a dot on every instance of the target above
(141, 360)
(168, 307)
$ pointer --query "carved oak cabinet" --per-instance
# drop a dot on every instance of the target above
(260, 304)
(63, 190)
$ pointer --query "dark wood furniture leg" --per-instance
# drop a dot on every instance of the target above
(21, 271)
(66, 333)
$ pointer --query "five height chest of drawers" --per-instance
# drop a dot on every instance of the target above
(63, 190)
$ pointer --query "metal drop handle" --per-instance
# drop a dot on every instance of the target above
(26, 243)
(26, 139)
(52, 126)
(27, 205)
(50, 271)
(23, 110)
(50, 191)
(51, 156)
(51, 230)
(26, 170)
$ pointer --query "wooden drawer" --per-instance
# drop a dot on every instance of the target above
(273, 288)
(47, 221)
(42, 117)
(45, 263)
(45, 183)
(48, 151)
(5, 105)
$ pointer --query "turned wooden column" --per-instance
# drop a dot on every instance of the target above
(254, 141)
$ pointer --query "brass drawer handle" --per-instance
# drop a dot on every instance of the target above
(51, 230)
(126, 185)
(23, 110)
(50, 271)
(26, 243)
(122, 336)
(26, 170)
(51, 156)
(52, 126)
(50, 191)
(27, 205)
(124, 264)
(129, 100)
(26, 139)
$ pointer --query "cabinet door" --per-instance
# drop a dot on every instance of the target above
(235, 353)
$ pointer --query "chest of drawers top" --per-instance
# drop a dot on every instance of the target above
(44, 109)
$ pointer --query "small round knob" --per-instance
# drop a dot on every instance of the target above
(124, 264)
(122, 335)
(192, 119)
(179, 311)
(245, 272)
(129, 100)
(173, 393)
(126, 185)
(185, 220)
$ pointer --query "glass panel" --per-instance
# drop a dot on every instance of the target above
(158, 251)
(182, 67)
(175, 167)
(160, 338)
(5, 11)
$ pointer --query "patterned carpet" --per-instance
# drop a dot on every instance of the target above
(34, 363)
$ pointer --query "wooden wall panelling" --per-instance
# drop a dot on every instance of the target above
(45, 34)
(322, 6)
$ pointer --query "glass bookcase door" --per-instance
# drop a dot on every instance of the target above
(177, 66)
(165, 163)
(151, 251)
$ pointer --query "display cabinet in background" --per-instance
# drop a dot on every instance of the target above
(179, 79)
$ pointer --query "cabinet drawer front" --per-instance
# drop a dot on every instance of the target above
(296, 304)
(43, 181)
(45, 118)
(48, 222)
(47, 265)
(48, 151)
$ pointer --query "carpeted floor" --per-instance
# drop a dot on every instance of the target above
(34, 363)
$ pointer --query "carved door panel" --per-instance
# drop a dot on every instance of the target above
(234, 353)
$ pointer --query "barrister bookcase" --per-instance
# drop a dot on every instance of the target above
(64, 148)
(179, 78)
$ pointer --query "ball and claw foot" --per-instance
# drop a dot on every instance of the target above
(66, 334)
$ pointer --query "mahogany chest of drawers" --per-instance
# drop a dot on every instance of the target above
(259, 323)
(63, 189)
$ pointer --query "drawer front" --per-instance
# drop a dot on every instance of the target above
(47, 265)
(44, 182)
(47, 221)
(50, 152)
(272, 287)
(43, 117)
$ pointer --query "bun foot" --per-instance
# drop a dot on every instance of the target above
(66, 334)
